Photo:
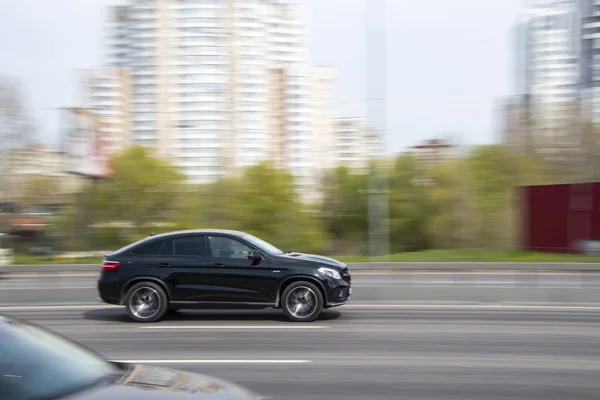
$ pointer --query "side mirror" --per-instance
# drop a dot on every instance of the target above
(255, 256)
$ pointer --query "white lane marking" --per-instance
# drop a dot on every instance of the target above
(61, 275)
(476, 262)
(238, 327)
(58, 308)
(214, 361)
(58, 287)
(475, 306)
(549, 306)
(486, 286)
(515, 272)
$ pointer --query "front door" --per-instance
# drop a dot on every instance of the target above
(233, 276)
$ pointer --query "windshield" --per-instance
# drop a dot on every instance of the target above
(35, 364)
(269, 248)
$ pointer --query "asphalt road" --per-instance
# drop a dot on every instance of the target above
(416, 287)
(400, 352)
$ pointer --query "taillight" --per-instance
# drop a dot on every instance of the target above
(110, 265)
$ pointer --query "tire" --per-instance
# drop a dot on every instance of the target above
(149, 293)
(308, 296)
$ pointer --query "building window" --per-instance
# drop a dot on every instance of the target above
(202, 29)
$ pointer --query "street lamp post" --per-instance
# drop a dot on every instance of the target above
(375, 30)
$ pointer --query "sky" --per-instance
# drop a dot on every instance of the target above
(448, 62)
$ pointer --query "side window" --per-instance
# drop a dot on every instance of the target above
(191, 246)
(224, 247)
(155, 248)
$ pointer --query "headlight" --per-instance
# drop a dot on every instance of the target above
(332, 273)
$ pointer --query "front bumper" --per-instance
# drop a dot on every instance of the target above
(339, 291)
(339, 296)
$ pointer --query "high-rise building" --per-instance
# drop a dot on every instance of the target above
(324, 127)
(218, 85)
(590, 57)
(548, 57)
(355, 143)
(550, 36)
(105, 92)
(434, 150)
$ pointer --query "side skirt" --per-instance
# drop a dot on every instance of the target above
(210, 305)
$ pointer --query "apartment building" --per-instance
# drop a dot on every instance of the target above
(548, 54)
(590, 57)
(558, 68)
(324, 122)
(216, 86)
(548, 39)
(514, 123)
(105, 92)
(355, 144)
(37, 161)
(433, 151)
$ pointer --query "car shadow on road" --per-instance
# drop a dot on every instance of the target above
(120, 315)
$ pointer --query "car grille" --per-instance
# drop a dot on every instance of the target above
(346, 276)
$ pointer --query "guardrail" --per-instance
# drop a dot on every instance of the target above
(366, 267)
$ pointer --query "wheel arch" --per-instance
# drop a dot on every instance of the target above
(129, 284)
(299, 278)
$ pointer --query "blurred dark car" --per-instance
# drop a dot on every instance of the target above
(37, 364)
(220, 269)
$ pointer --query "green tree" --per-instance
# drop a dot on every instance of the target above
(268, 205)
(262, 201)
(452, 208)
(190, 208)
(494, 175)
(344, 210)
(143, 191)
(409, 206)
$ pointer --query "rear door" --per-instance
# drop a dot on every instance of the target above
(184, 268)
(234, 278)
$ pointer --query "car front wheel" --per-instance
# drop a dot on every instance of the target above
(302, 302)
(146, 302)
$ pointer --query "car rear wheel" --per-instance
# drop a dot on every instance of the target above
(302, 302)
(146, 302)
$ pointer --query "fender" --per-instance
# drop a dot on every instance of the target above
(308, 278)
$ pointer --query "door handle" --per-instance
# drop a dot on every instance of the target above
(218, 265)
(162, 265)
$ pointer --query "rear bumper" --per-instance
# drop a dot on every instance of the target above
(109, 292)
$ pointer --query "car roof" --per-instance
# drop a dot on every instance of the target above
(152, 237)
(193, 231)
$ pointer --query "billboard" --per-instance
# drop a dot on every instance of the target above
(86, 144)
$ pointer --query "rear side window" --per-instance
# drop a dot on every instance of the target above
(192, 246)
(155, 248)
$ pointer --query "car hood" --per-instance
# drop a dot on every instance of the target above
(314, 258)
(153, 383)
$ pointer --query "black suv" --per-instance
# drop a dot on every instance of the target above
(219, 269)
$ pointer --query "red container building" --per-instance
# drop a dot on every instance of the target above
(556, 218)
